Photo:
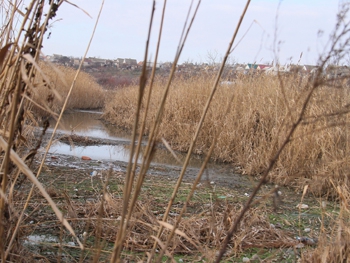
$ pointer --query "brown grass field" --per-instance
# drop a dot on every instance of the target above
(284, 130)
(255, 127)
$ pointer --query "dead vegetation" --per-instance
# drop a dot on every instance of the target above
(256, 125)
(199, 235)
(290, 130)
(61, 78)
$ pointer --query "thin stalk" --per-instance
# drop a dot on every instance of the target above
(147, 161)
(145, 165)
(118, 244)
(10, 22)
(143, 124)
(156, 125)
(199, 126)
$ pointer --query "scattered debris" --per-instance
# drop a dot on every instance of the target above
(299, 245)
(308, 241)
(302, 206)
(245, 259)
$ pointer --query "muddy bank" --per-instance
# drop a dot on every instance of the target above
(216, 174)
(84, 133)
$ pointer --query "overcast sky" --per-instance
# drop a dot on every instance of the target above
(122, 30)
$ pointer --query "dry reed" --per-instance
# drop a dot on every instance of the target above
(85, 89)
(203, 231)
(303, 123)
(255, 126)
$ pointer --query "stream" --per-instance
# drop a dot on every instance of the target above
(116, 148)
(88, 124)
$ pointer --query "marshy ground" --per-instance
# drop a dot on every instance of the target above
(90, 193)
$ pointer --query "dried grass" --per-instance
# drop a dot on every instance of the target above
(302, 122)
(205, 231)
(255, 127)
(60, 78)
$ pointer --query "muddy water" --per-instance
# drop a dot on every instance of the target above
(89, 124)
(115, 149)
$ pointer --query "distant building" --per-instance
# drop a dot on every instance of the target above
(251, 66)
(125, 62)
(130, 62)
(118, 62)
(257, 67)
(55, 58)
(166, 65)
(98, 62)
(76, 62)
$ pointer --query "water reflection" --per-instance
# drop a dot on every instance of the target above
(88, 123)
(118, 153)
(97, 152)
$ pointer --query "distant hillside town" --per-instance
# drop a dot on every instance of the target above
(93, 64)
